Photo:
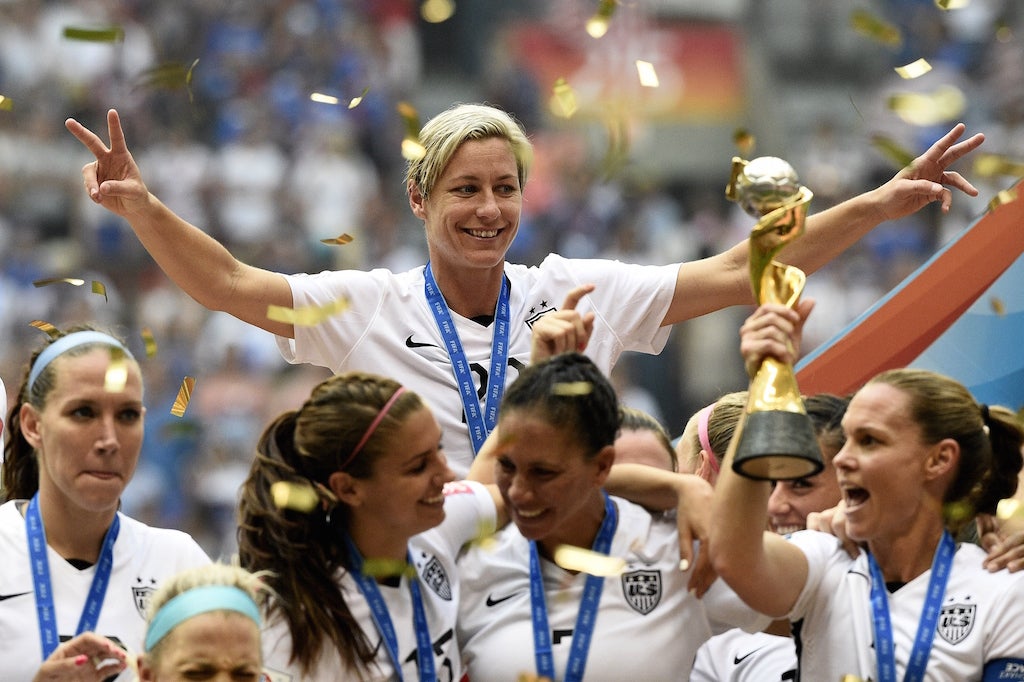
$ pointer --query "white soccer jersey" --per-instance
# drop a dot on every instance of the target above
(469, 511)
(980, 622)
(389, 329)
(143, 556)
(648, 626)
(738, 656)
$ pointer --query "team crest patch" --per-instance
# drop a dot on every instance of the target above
(436, 578)
(956, 622)
(142, 595)
(538, 312)
(642, 589)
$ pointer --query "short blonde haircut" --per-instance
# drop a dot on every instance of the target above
(442, 136)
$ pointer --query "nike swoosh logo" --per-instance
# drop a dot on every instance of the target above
(412, 344)
(494, 602)
(12, 596)
(739, 659)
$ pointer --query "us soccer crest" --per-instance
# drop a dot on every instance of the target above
(141, 595)
(956, 622)
(642, 590)
(435, 577)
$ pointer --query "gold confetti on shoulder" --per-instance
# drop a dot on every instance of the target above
(588, 561)
(50, 330)
(340, 240)
(116, 377)
(572, 388)
(184, 396)
(300, 498)
(914, 69)
(308, 316)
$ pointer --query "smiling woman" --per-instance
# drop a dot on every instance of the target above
(73, 565)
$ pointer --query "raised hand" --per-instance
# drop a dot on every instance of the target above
(113, 180)
(773, 331)
(564, 330)
(87, 656)
(926, 178)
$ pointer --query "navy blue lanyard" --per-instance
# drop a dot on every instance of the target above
(884, 650)
(382, 619)
(41, 579)
(585, 619)
(480, 424)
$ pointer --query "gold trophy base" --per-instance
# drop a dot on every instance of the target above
(777, 445)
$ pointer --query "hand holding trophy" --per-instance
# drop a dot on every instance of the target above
(777, 441)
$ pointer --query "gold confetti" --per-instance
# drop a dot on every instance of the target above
(1009, 508)
(1004, 197)
(952, 4)
(959, 511)
(169, 76)
(324, 99)
(617, 152)
(922, 109)
(116, 377)
(572, 388)
(914, 69)
(375, 567)
(588, 561)
(998, 307)
(597, 25)
(184, 396)
(356, 101)
(991, 165)
(6, 103)
(744, 141)
(56, 280)
(412, 150)
(50, 330)
(648, 76)
(307, 316)
(532, 677)
(436, 11)
(563, 103)
(150, 341)
(340, 240)
(108, 34)
(876, 29)
(893, 151)
(101, 289)
(300, 498)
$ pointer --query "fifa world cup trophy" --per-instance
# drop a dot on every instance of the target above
(777, 442)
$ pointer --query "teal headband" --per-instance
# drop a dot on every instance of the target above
(199, 600)
(66, 343)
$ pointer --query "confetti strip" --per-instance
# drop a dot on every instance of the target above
(340, 240)
(356, 101)
(914, 69)
(109, 34)
(997, 305)
(951, 4)
(324, 99)
(101, 289)
(308, 316)
(1009, 508)
(597, 25)
(944, 104)
(387, 568)
(150, 341)
(588, 561)
(300, 498)
(648, 76)
(116, 377)
(572, 388)
(893, 151)
(50, 330)
(870, 26)
(744, 141)
(55, 280)
(184, 396)
(992, 165)
(563, 104)
(1005, 197)
(412, 150)
(6, 103)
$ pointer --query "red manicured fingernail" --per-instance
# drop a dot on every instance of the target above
(81, 659)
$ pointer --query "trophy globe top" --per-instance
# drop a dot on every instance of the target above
(765, 184)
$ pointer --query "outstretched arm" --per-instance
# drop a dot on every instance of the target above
(722, 280)
(196, 262)
(764, 569)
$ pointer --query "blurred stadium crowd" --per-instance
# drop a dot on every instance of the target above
(234, 143)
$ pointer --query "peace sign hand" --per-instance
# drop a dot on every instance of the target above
(113, 180)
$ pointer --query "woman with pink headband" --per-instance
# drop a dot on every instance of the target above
(76, 574)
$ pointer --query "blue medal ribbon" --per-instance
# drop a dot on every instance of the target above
(382, 618)
(585, 619)
(884, 649)
(40, 566)
(480, 423)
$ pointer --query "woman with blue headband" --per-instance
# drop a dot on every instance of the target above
(76, 574)
(204, 623)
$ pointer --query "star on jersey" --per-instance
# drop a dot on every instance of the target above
(642, 590)
(538, 311)
(142, 593)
